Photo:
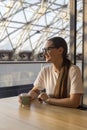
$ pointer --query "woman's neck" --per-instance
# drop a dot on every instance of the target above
(58, 65)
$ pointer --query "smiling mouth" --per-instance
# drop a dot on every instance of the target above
(48, 59)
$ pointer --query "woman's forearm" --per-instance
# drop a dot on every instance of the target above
(65, 102)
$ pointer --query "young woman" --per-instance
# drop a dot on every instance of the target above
(61, 79)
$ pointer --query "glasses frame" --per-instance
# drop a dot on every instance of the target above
(46, 50)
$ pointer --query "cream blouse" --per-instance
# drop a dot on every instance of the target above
(47, 78)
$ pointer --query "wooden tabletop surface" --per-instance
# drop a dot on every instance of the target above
(39, 116)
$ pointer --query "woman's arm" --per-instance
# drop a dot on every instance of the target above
(73, 101)
(33, 93)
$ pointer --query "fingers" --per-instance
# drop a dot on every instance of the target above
(33, 94)
(19, 99)
(40, 100)
(42, 97)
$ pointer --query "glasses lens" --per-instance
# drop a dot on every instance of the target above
(45, 50)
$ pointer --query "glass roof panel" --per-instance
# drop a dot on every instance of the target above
(26, 24)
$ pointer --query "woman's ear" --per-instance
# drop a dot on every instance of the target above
(61, 49)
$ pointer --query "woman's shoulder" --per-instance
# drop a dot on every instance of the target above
(74, 69)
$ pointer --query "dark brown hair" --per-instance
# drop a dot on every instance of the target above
(60, 42)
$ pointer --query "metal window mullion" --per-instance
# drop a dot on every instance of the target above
(73, 29)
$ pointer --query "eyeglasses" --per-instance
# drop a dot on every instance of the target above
(46, 50)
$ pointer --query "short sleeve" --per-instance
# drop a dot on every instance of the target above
(76, 85)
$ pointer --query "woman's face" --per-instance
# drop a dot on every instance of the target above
(51, 53)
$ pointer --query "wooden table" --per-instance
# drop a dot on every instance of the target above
(39, 116)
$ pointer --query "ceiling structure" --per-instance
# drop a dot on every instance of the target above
(25, 25)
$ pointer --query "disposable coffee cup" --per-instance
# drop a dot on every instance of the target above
(26, 99)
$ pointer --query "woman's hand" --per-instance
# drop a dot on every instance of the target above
(42, 97)
(33, 93)
(19, 99)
